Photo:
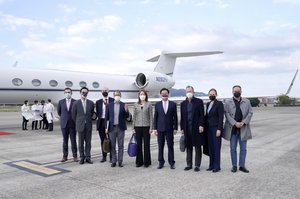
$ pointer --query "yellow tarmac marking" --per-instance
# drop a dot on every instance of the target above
(38, 168)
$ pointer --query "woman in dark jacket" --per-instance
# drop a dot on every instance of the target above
(214, 119)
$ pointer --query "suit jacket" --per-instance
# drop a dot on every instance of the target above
(123, 115)
(215, 116)
(165, 121)
(230, 121)
(196, 139)
(65, 115)
(80, 118)
(99, 108)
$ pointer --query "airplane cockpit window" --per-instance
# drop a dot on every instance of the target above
(53, 83)
(69, 84)
(36, 82)
(82, 84)
(95, 84)
(17, 82)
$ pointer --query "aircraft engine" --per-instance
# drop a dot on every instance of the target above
(153, 81)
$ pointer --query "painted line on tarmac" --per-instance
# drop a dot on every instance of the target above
(50, 168)
(36, 168)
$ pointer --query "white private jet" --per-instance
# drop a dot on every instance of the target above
(17, 85)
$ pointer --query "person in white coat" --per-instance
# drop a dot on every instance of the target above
(36, 112)
(26, 114)
(49, 110)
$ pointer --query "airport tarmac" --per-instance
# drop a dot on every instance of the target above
(30, 167)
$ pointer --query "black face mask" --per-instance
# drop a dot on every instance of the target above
(237, 94)
(105, 94)
(212, 98)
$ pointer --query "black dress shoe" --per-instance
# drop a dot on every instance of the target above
(81, 161)
(243, 169)
(64, 159)
(197, 169)
(120, 164)
(187, 168)
(103, 160)
(172, 166)
(138, 165)
(146, 165)
(160, 166)
(89, 161)
(216, 170)
(113, 164)
(233, 169)
(209, 169)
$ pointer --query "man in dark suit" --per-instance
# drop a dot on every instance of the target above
(117, 114)
(192, 125)
(67, 124)
(82, 113)
(165, 125)
(101, 107)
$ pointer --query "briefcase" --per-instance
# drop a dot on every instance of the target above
(106, 145)
(132, 146)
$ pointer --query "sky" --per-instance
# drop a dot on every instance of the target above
(260, 39)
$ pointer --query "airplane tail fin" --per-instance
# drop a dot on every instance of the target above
(167, 60)
(15, 64)
(292, 83)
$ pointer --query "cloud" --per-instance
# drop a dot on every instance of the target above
(106, 23)
(5, 1)
(221, 4)
(15, 22)
(67, 9)
(119, 2)
(293, 2)
(63, 48)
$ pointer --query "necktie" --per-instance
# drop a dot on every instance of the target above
(68, 104)
(84, 106)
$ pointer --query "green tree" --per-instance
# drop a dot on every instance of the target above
(284, 100)
(254, 101)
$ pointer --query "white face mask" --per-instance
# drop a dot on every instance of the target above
(189, 95)
(142, 97)
(68, 95)
(117, 98)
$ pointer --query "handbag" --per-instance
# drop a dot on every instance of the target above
(106, 145)
(182, 143)
(132, 146)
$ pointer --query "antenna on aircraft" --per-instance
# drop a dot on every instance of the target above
(15, 64)
(292, 83)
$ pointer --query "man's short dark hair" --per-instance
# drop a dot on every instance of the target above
(84, 88)
(236, 86)
(49, 100)
(67, 88)
(164, 89)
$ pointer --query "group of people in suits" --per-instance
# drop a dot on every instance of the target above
(201, 127)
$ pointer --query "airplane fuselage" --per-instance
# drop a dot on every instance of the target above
(18, 84)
